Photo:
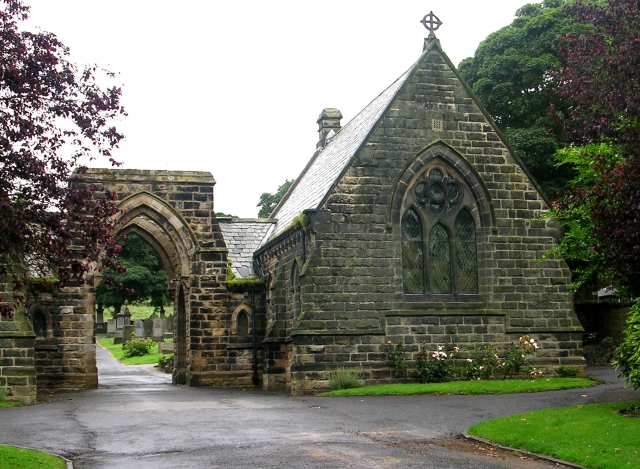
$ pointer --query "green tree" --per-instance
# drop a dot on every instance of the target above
(510, 75)
(268, 202)
(143, 280)
(601, 79)
(52, 116)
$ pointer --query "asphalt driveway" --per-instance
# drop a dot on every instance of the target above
(137, 419)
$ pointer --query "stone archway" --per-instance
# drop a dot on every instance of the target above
(173, 212)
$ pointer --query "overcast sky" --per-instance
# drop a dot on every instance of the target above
(235, 87)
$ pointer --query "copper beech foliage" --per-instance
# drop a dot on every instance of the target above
(52, 115)
(602, 79)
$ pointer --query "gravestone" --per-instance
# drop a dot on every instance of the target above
(139, 326)
(148, 328)
(127, 333)
(157, 330)
(166, 347)
(100, 325)
(167, 323)
(111, 328)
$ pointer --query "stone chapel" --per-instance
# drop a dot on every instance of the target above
(413, 222)
(417, 222)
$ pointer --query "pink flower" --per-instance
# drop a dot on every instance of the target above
(469, 360)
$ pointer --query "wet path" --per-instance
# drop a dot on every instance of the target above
(138, 420)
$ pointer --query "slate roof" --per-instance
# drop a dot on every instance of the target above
(243, 236)
(327, 164)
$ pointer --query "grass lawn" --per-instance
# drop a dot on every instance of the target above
(10, 404)
(118, 352)
(138, 312)
(594, 435)
(18, 458)
(506, 386)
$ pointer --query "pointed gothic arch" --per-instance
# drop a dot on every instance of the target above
(438, 206)
(155, 221)
(449, 158)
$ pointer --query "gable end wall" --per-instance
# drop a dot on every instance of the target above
(352, 297)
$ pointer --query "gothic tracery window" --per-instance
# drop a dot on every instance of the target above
(439, 248)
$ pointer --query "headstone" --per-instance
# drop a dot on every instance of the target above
(166, 347)
(111, 328)
(139, 325)
(124, 310)
(157, 329)
(148, 328)
(168, 323)
(101, 327)
(127, 333)
(119, 321)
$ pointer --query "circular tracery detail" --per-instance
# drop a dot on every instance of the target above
(438, 191)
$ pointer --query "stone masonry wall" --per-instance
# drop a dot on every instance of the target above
(282, 311)
(240, 347)
(174, 212)
(353, 283)
(65, 359)
(17, 371)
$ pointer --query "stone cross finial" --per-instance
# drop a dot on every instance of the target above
(431, 22)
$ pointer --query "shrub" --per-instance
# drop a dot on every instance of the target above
(165, 363)
(515, 360)
(137, 347)
(435, 366)
(396, 355)
(568, 371)
(627, 357)
(3, 394)
(483, 363)
(344, 379)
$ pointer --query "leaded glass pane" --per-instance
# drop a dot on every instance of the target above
(466, 253)
(39, 324)
(412, 253)
(452, 192)
(440, 260)
(437, 191)
(243, 324)
(436, 175)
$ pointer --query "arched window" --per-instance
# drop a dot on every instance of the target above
(439, 248)
(40, 324)
(242, 323)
